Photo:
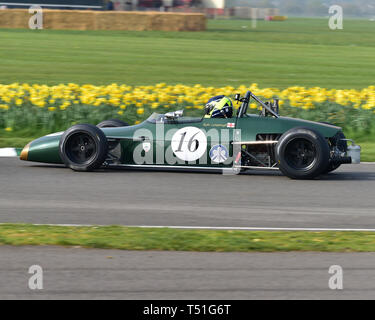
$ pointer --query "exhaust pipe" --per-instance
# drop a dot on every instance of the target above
(342, 160)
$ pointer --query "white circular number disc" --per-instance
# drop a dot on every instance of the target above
(189, 143)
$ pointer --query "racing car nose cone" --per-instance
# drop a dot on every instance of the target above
(25, 152)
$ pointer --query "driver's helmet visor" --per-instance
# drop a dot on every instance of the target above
(217, 105)
(209, 107)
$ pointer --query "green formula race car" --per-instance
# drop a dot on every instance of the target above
(219, 141)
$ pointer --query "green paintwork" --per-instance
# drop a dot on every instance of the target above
(46, 149)
(252, 125)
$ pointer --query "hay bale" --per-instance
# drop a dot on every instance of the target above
(136, 21)
(149, 21)
(14, 18)
(69, 20)
(279, 18)
(106, 20)
(195, 22)
(168, 22)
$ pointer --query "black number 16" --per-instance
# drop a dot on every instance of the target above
(190, 144)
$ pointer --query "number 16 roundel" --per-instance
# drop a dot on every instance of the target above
(189, 143)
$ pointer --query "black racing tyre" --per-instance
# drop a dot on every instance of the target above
(342, 145)
(113, 123)
(302, 153)
(83, 147)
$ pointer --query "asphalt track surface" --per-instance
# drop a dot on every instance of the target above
(71, 273)
(42, 194)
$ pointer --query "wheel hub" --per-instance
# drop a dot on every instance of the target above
(300, 154)
(81, 148)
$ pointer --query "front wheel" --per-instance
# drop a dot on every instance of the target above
(302, 153)
(83, 147)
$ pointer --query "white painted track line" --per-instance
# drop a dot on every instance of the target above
(212, 228)
(8, 152)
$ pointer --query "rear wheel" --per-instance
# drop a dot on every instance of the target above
(302, 153)
(113, 123)
(83, 147)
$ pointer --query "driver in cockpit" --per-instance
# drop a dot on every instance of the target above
(219, 107)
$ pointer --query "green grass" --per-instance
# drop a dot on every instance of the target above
(368, 151)
(14, 142)
(132, 238)
(276, 54)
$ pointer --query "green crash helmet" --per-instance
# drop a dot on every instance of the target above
(219, 107)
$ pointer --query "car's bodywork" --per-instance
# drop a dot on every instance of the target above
(253, 136)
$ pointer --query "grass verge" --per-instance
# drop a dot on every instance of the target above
(133, 238)
(14, 142)
(300, 51)
(368, 151)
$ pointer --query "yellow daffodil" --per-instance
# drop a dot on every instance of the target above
(140, 111)
(76, 100)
